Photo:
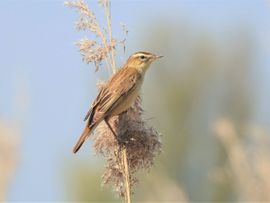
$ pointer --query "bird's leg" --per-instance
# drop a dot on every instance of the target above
(109, 125)
(120, 144)
(119, 140)
(124, 112)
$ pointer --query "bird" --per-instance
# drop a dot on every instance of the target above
(118, 94)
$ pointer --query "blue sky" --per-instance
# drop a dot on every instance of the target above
(46, 89)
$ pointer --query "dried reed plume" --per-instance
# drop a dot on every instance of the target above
(248, 163)
(137, 144)
(104, 46)
(142, 144)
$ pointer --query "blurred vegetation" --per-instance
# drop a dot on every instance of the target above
(203, 77)
(84, 183)
(9, 145)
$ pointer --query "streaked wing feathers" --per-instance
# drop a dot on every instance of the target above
(115, 91)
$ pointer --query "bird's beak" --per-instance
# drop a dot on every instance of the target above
(158, 57)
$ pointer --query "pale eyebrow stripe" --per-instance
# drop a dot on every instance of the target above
(142, 54)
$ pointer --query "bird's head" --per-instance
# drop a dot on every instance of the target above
(141, 60)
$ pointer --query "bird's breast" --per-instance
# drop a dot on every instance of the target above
(128, 102)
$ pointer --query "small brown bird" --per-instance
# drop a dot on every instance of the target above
(119, 93)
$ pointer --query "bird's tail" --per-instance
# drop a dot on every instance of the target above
(86, 132)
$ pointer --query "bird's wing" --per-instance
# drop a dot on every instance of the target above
(126, 85)
(97, 100)
(113, 93)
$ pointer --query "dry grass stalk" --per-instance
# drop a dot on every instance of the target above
(138, 144)
(125, 169)
(142, 144)
(100, 49)
(248, 161)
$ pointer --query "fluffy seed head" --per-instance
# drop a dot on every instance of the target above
(143, 144)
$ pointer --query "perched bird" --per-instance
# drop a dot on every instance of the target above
(118, 94)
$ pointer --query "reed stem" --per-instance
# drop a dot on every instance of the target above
(126, 174)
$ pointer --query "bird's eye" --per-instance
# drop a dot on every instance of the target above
(142, 57)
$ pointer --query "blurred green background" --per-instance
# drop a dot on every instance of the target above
(213, 81)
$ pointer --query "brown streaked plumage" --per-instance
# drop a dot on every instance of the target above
(118, 94)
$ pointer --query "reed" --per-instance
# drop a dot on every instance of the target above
(140, 144)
